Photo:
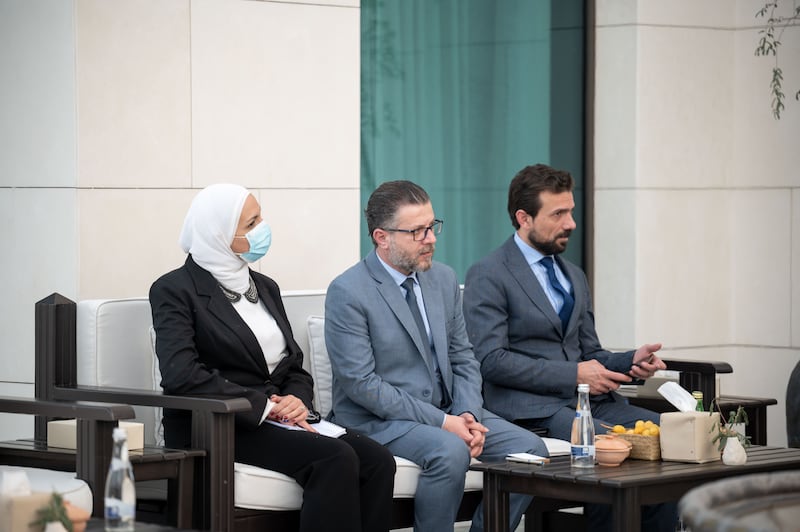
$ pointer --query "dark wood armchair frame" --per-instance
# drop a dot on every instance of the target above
(95, 422)
(212, 430)
(213, 425)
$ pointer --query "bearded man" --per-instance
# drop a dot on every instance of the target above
(403, 369)
(529, 317)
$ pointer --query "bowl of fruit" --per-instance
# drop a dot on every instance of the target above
(644, 436)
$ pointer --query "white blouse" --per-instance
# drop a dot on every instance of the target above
(264, 327)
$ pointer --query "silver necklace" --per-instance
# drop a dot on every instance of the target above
(251, 294)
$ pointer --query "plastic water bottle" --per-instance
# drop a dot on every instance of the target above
(120, 494)
(583, 431)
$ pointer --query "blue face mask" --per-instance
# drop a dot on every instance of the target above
(260, 238)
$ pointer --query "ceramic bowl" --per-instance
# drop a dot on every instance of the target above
(611, 451)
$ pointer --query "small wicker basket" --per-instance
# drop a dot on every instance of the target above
(644, 447)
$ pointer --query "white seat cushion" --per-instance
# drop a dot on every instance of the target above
(261, 489)
(407, 476)
(64, 483)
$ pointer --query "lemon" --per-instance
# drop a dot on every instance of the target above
(618, 429)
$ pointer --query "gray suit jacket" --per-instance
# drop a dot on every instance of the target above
(382, 380)
(529, 366)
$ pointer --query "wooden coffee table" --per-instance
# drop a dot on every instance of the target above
(626, 488)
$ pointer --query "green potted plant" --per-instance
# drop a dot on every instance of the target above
(54, 512)
(729, 435)
(61, 515)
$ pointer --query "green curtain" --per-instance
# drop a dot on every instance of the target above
(459, 95)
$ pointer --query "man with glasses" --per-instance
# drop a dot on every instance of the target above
(403, 369)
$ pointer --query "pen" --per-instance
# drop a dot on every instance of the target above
(649, 360)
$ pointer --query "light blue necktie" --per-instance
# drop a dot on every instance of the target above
(569, 301)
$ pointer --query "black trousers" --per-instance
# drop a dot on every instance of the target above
(347, 482)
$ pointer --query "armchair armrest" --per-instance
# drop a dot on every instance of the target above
(212, 431)
(134, 396)
(95, 423)
(699, 375)
(79, 409)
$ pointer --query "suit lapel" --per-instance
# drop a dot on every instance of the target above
(393, 296)
(221, 308)
(522, 273)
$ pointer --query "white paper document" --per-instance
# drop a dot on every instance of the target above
(527, 458)
(326, 428)
(556, 447)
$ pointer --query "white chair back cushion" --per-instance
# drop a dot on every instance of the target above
(114, 348)
(320, 365)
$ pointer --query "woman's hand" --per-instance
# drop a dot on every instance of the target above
(290, 410)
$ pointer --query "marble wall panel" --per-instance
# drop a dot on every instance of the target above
(684, 98)
(683, 267)
(794, 272)
(687, 13)
(315, 236)
(37, 95)
(39, 258)
(128, 239)
(615, 265)
(761, 283)
(615, 138)
(133, 77)
(615, 12)
(765, 150)
(275, 94)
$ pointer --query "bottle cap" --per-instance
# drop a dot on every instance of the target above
(583, 387)
(119, 434)
(697, 395)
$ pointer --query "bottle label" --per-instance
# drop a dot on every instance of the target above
(116, 509)
(583, 451)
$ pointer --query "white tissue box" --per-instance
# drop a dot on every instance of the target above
(63, 434)
(686, 437)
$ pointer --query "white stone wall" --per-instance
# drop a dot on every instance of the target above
(113, 114)
(697, 201)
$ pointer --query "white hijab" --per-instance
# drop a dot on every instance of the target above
(208, 231)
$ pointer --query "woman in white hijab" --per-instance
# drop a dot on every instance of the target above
(221, 329)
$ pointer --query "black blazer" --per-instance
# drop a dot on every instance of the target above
(205, 348)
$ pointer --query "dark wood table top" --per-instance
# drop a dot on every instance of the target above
(634, 482)
(99, 525)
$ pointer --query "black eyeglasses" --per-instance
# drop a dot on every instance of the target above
(422, 232)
